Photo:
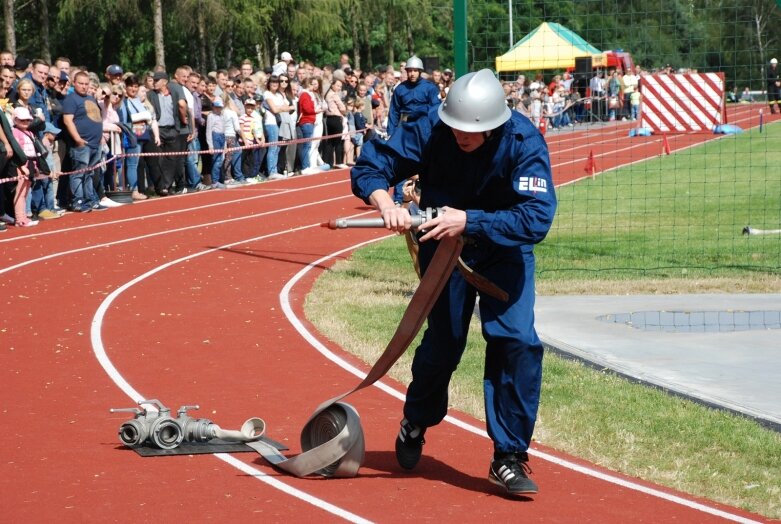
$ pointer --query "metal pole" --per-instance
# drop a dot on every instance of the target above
(510, 10)
(459, 37)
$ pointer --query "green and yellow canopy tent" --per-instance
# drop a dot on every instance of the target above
(549, 46)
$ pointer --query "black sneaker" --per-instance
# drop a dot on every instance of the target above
(511, 472)
(409, 444)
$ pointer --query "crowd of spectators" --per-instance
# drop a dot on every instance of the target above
(154, 133)
(565, 100)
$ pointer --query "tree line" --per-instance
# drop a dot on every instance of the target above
(737, 37)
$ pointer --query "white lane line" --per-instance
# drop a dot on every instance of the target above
(166, 232)
(284, 299)
(279, 192)
(100, 353)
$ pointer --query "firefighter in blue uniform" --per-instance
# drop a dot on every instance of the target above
(412, 99)
(488, 168)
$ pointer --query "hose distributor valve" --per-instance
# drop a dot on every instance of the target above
(154, 426)
(158, 428)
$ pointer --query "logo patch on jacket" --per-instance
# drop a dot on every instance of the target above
(532, 183)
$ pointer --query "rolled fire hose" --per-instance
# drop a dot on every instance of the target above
(332, 440)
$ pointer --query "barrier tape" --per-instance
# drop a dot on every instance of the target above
(199, 152)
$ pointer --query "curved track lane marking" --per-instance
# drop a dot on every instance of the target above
(113, 373)
(159, 233)
(284, 299)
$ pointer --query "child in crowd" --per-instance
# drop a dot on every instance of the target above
(251, 134)
(26, 139)
(215, 137)
(360, 125)
(43, 189)
(232, 130)
(634, 101)
(349, 145)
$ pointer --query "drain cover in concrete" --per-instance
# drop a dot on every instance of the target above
(697, 321)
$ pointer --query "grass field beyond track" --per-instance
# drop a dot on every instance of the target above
(674, 215)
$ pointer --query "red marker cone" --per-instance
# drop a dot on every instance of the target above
(591, 166)
(666, 145)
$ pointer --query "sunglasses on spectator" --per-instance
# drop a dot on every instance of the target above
(284, 80)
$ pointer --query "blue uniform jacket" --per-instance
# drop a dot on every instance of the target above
(505, 186)
(414, 100)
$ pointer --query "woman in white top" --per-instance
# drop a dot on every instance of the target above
(287, 127)
(275, 103)
(232, 130)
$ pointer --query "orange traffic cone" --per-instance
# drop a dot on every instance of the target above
(591, 166)
(665, 145)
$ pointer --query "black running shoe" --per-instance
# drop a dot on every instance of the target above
(511, 472)
(409, 444)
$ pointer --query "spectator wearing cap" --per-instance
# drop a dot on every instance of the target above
(25, 138)
(114, 74)
(44, 187)
(81, 118)
(280, 68)
(215, 139)
(448, 78)
(8, 151)
(251, 125)
(57, 90)
(21, 66)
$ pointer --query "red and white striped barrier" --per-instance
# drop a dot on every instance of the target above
(683, 103)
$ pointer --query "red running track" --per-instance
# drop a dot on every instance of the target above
(198, 299)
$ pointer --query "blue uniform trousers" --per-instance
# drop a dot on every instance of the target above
(513, 358)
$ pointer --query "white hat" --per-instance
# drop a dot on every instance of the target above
(773, 61)
(22, 113)
(286, 57)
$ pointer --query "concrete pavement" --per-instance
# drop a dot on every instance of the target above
(719, 349)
